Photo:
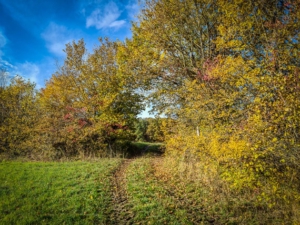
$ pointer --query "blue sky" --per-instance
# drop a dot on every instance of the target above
(33, 33)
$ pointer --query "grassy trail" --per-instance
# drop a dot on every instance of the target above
(142, 190)
(109, 191)
(150, 201)
(68, 192)
(121, 213)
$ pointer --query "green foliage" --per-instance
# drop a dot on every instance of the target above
(147, 148)
(56, 193)
(140, 127)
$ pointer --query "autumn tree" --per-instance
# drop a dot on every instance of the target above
(172, 40)
(228, 72)
(19, 117)
(90, 106)
(140, 127)
(155, 129)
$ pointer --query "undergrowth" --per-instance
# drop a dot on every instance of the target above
(201, 189)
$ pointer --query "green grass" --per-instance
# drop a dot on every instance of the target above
(56, 193)
(150, 202)
(160, 191)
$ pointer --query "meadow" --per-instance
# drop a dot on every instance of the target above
(148, 189)
(151, 193)
(56, 192)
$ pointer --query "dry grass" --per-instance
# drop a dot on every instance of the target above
(200, 187)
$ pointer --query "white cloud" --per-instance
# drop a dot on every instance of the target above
(107, 18)
(3, 42)
(56, 37)
(117, 23)
(133, 8)
(4, 63)
(29, 71)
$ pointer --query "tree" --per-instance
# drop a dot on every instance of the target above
(141, 129)
(232, 70)
(155, 130)
(3, 78)
(19, 117)
(170, 44)
(90, 106)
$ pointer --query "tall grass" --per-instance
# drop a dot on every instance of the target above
(201, 187)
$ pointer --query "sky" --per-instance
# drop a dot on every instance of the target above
(33, 33)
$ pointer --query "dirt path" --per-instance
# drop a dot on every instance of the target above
(121, 213)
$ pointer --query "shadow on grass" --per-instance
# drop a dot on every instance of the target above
(146, 148)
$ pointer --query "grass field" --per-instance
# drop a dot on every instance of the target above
(161, 194)
(144, 190)
(56, 193)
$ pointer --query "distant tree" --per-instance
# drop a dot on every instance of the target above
(3, 78)
(140, 129)
(154, 130)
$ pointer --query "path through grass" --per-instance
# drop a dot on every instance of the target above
(151, 203)
(145, 190)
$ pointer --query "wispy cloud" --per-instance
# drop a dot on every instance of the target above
(22, 13)
(56, 37)
(133, 8)
(2, 43)
(29, 71)
(106, 18)
(4, 64)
